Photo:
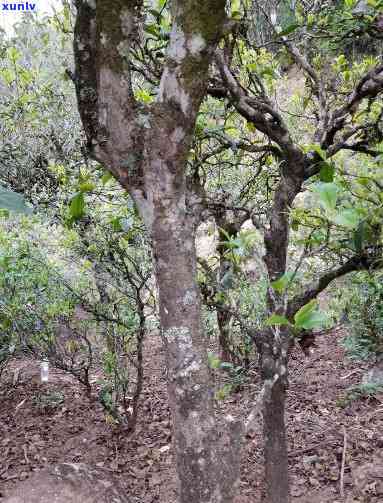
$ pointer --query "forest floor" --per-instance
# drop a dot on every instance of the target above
(319, 430)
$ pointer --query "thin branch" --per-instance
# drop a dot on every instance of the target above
(370, 259)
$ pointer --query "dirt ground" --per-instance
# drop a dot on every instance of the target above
(320, 427)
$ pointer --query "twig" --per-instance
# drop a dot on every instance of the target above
(343, 463)
(25, 454)
(18, 406)
(11, 477)
(357, 371)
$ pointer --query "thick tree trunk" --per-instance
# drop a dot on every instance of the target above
(189, 389)
(146, 148)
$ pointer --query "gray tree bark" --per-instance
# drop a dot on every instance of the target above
(146, 149)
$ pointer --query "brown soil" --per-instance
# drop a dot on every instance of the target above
(75, 431)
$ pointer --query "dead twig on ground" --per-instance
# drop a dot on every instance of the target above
(26, 455)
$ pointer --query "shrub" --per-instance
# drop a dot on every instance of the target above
(365, 312)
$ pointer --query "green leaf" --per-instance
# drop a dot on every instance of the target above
(309, 317)
(77, 205)
(116, 224)
(363, 181)
(349, 4)
(326, 173)
(152, 29)
(236, 15)
(280, 284)
(12, 201)
(106, 178)
(13, 54)
(144, 96)
(359, 236)
(348, 218)
(87, 187)
(277, 319)
(317, 319)
(214, 361)
(7, 75)
(235, 6)
(328, 194)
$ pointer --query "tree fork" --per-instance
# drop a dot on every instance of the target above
(146, 149)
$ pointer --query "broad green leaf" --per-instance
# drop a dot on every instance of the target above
(326, 173)
(235, 6)
(77, 205)
(13, 54)
(280, 284)
(363, 181)
(328, 193)
(316, 319)
(26, 76)
(106, 178)
(7, 75)
(116, 224)
(349, 4)
(309, 316)
(236, 15)
(12, 201)
(277, 319)
(87, 187)
(304, 313)
(348, 218)
(214, 361)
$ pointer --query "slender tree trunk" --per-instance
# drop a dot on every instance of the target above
(275, 444)
(276, 462)
(140, 368)
(274, 351)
